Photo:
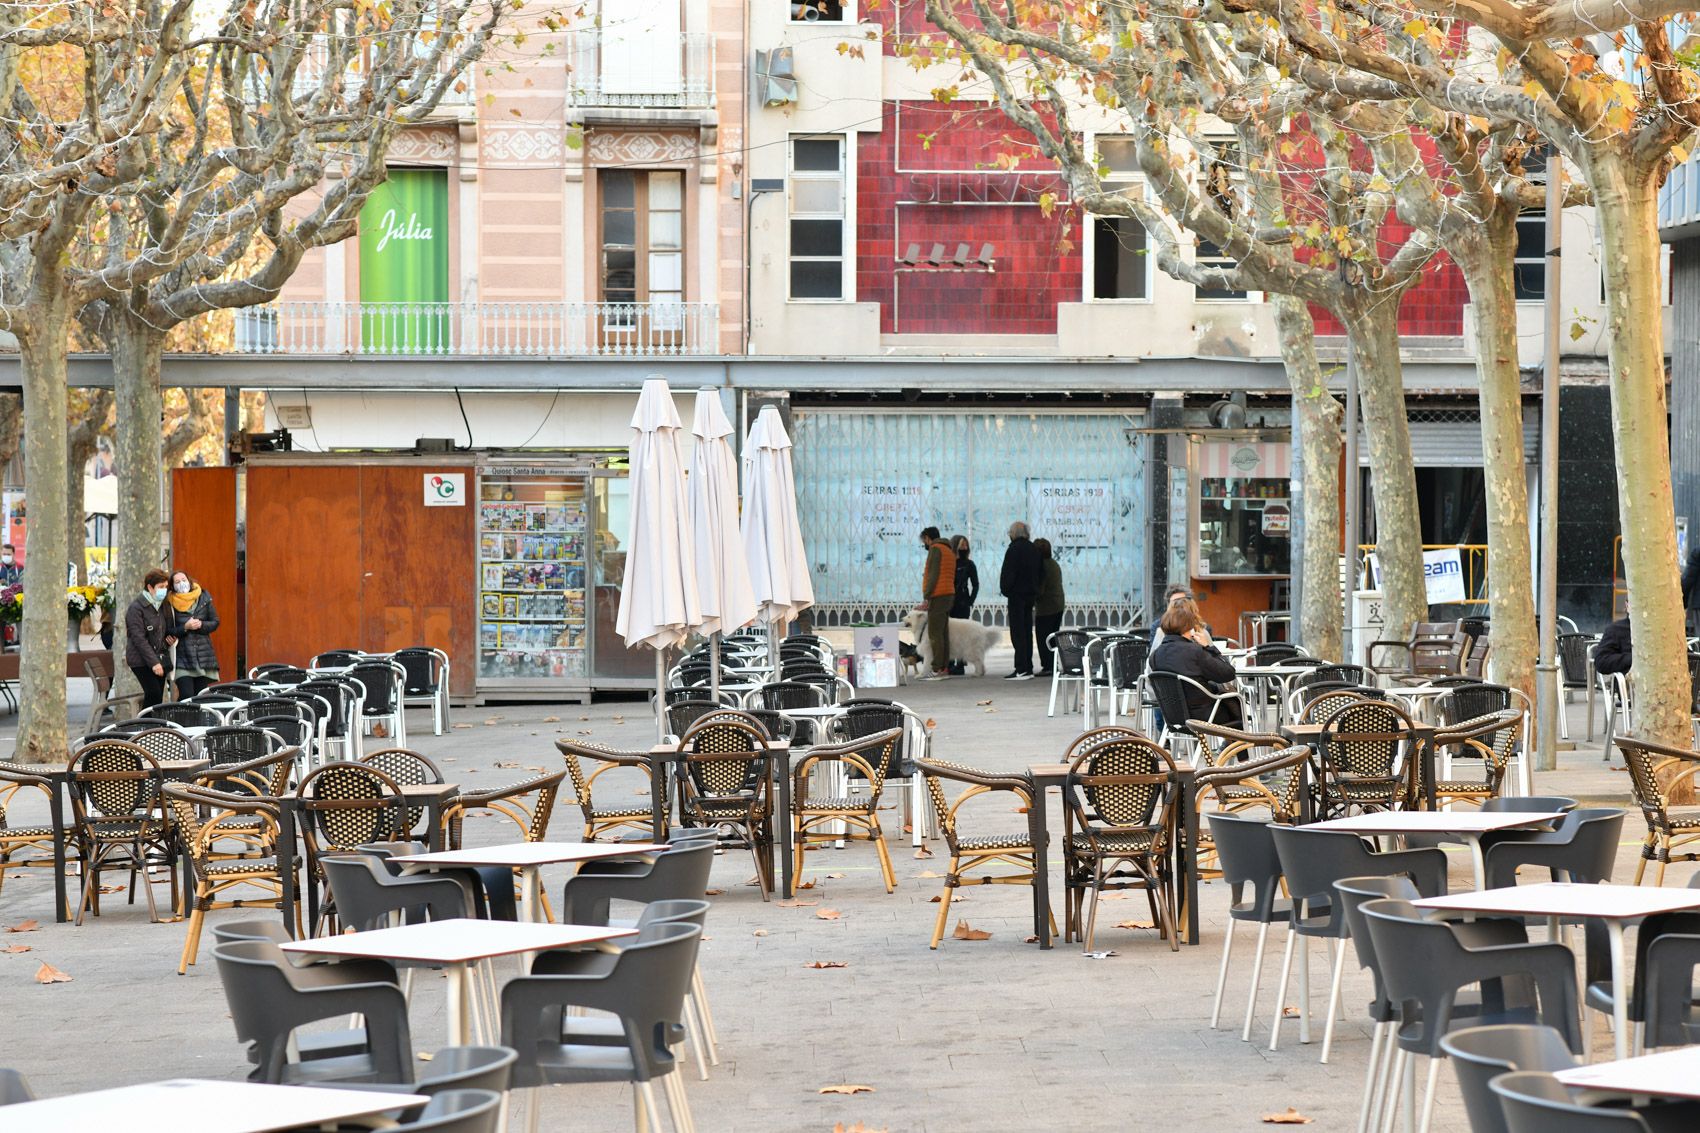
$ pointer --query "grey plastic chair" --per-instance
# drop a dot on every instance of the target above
(1667, 948)
(680, 872)
(1312, 861)
(1536, 1102)
(1481, 1054)
(460, 1111)
(1582, 848)
(269, 998)
(645, 990)
(367, 894)
(14, 1088)
(1245, 852)
(1426, 961)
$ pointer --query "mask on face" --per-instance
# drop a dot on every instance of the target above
(156, 595)
(6, 559)
(181, 587)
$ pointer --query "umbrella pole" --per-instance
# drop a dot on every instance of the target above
(660, 697)
(714, 666)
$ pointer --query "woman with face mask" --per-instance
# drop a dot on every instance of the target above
(193, 619)
(148, 636)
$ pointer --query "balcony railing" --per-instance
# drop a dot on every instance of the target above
(470, 329)
(310, 74)
(621, 68)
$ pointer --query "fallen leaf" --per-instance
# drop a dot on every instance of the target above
(809, 884)
(846, 1088)
(858, 1127)
(507, 765)
(1289, 1012)
(551, 719)
(14, 949)
(48, 974)
(827, 964)
(492, 721)
(1291, 1117)
(965, 932)
(981, 703)
(1133, 924)
(1020, 810)
(954, 898)
(463, 725)
(834, 876)
(923, 852)
(759, 932)
(929, 723)
(24, 926)
(583, 718)
(991, 710)
(1029, 940)
(112, 889)
(797, 904)
(426, 1056)
(713, 892)
(827, 914)
(929, 873)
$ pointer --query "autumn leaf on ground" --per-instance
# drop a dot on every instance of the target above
(965, 932)
(1133, 924)
(14, 949)
(463, 725)
(809, 884)
(834, 876)
(1029, 940)
(1020, 810)
(923, 852)
(426, 1056)
(846, 1088)
(857, 1127)
(713, 892)
(827, 964)
(491, 722)
(583, 718)
(929, 723)
(551, 719)
(1291, 1117)
(797, 904)
(507, 765)
(24, 926)
(827, 914)
(954, 898)
(981, 703)
(48, 974)
(991, 710)
(1289, 1012)
(929, 873)
(759, 932)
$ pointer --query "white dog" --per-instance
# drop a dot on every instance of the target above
(969, 640)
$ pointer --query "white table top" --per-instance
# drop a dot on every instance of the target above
(219, 705)
(1271, 670)
(1564, 899)
(1419, 690)
(189, 1105)
(1436, 821)
(521, 854)
(1672, 1073)
(821, 712)
(456, 941)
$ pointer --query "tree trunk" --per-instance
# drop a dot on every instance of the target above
(1485, 255)
(1316, 421)
(41, 697)
(1373, 329)
(137, 453)
(1625, 203)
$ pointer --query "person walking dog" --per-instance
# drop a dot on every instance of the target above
(938, 595)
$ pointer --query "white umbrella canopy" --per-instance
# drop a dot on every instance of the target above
(723, 573)
(658, 595)
(773, 538)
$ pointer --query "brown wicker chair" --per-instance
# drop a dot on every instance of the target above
(1493, 739)
(727, 784)
(1366, 757)
(599, 820)
(408, 768)
(1653, 770)
(217, 870)
(870, 755)
(343, 806)
(36, 840)
(528, 804)
(115, 790)
(1119, 801)
(1014, 851)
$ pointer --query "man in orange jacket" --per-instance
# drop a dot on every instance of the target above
(938, 594)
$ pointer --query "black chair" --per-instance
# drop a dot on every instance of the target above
(382, 682)
(426, 681)
(780, 695)
(1481, 1054)
(230, 690)
(1575, 673)
(779, 726)
(1245, 852)
(685, 711)
(1535, 1102)
(279, 674)
(1582, 848)
(239, 743)
(185, 714)
(337, 659)
(1068, 663)
(1272, 653)
(1170, 690)
(342, 725)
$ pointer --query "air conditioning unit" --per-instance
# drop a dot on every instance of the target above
(776, 77)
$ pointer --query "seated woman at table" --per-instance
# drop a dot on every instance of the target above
(1186, 649)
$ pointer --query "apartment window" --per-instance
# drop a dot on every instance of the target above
(1209, 255)
(1529, 269)
(820, 11)
(643, 251)
(817, 218)
(1121, 267)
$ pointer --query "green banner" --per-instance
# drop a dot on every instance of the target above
(404, 264)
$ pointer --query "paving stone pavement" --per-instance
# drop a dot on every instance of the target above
(978, 1036)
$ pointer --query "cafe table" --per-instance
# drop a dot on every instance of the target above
(1614, 905)
(457, 945)
(1667, 1074)
(663, 756)
(530, 858)
(1048, 776)
(193, 1105)
(1449, 826)
(1259, 680)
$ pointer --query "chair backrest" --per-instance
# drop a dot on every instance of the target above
(422, 668)
(240, 743)
(404, 765)
(336, 658)
(230, 690)
(1466, 702)
(462, 1110)
(681, 714)
(1127, 660)
(1171, 698)
(791, 694)
(184, 713)
(382, 681)
(1481, 1054)
(1350, 674)
(1245, 853)
(340, 696)
(280, 674)
(1529, 804)
(292, 730)
(1364, 751)
(276, 705)
(778, 725)
(796, 668)
(1642, 758)
(346, 805)
(197, 809)
(1537, 1102)
(741, 744)
(113, 779)
(532, 817)
(467, 1068)
(1070, 648)
(163, 743)
(867, 719)
(1573, 658)
(1118, 778)
(680, 873)
(826, 683)
(95, 667)
(1314, 860)
(1351, 894)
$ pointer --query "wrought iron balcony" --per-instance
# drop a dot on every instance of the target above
(625, 69)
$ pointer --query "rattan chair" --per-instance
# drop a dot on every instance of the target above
(115, 806)
(164, 744)
(864, 717)
(1667, 827)
(1366, 758)
(528, 804)
(409, 769)
(859, 814)
(1119, 800)
(219, 855)
(1493, 738)
(727, 784)
(37, 841)
(600, 820)
(1011, 851)
(343, 806)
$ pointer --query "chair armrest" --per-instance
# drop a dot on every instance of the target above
(1553, 968)
(1253, 768)
(1426, 866)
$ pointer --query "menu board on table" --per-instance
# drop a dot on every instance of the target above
(531, 623)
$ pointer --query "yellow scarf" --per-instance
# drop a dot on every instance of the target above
(183, 603)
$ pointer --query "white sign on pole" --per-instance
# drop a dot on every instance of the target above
(445, 489)
(1443, 575)
(1070, 513)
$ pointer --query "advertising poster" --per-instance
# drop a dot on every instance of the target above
(404, 264)
(1071, 513)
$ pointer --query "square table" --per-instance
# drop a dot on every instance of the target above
(779, 752)
(456, 945)
(529, 858)
(1048, 775)
(1451, 826)
(192, 1105)
(1668, 1074)
(1616, 905)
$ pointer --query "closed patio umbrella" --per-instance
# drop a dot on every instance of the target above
(658, 595)
(723, 573)
(773, 538)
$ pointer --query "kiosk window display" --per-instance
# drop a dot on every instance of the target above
(1244, 516)
(531, 577)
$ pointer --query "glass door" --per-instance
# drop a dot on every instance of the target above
(532, 628)
(612, 664)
